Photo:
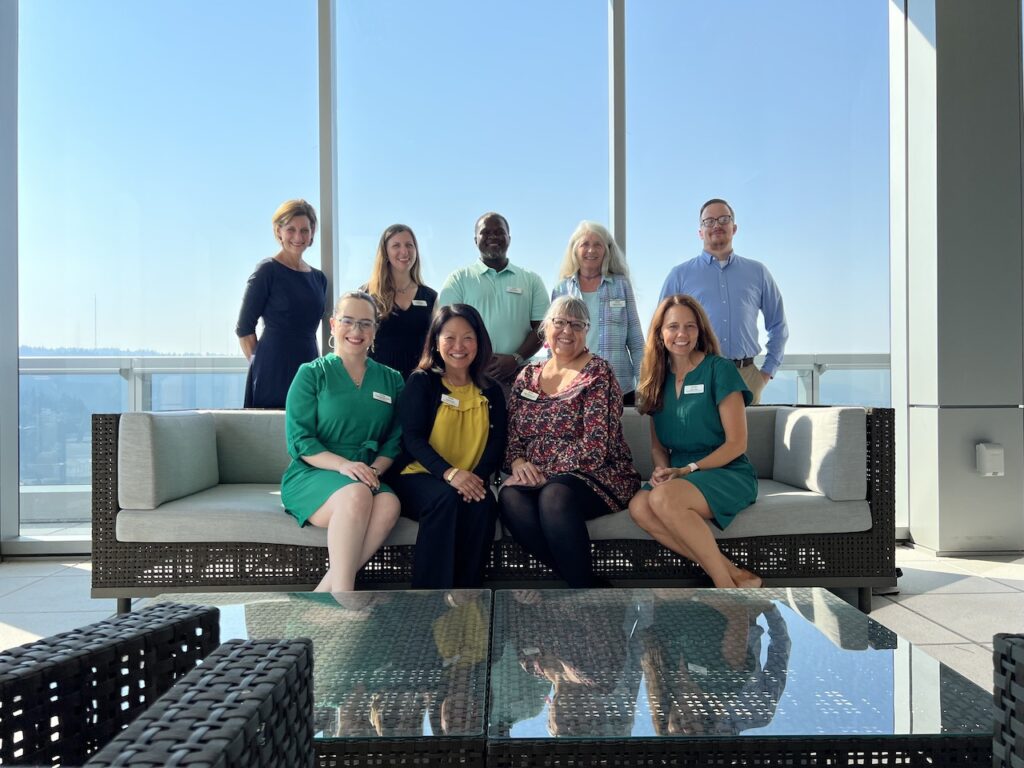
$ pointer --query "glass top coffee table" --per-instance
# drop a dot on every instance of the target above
(397, 676)
(621, 676)
(744, 677)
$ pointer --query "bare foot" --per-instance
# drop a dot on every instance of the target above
(747, 579)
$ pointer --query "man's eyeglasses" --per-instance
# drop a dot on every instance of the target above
(559, 324)
(348, 323)
(710, 221)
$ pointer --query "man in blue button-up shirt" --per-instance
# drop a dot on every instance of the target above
(733, 290)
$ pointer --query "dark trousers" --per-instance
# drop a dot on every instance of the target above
(455, 536)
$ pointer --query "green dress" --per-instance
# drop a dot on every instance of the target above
(326, 411)
(690, 427)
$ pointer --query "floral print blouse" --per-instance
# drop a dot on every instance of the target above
(577, 431)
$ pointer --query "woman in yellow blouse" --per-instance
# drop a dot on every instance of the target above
(453, 434)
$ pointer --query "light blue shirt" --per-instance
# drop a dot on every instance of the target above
(508, 301)
(620, 339)
(732, 296)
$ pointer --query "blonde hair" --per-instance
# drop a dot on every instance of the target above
(289, 210)
(570, 307)
(614, 259)
(363, 296)
(650, 389)
(381, 285)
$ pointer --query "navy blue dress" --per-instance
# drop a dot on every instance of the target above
(291, 304)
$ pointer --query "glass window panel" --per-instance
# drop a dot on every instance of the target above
(448, 110)
(782, 109)
(182, 391)
(852, 387)
(156, 140)
(784, 388)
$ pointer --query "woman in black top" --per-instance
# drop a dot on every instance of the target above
(405, 303)
(290, 296)
(453, 438)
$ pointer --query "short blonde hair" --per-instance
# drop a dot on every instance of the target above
(569, 307)
(289, 210)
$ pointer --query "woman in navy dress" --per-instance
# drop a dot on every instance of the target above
(406, 304)
(290, 296)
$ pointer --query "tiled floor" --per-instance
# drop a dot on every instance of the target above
(950, 607)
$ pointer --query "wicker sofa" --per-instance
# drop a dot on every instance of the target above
(189, 501)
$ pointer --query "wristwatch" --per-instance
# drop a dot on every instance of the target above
(693, 467)
(519, 359)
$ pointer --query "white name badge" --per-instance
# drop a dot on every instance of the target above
(514, 290)
(382, 397)
(449, 400)
(529, 394)
(617, 303)
(419, 302)
(693, 389)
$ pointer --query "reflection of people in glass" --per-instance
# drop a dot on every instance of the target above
(384, 661)
(586, 647)
(702, 664)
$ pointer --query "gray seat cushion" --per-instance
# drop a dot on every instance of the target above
(241, 512)
(779, 509)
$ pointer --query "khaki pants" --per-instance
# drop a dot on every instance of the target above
(755, 382)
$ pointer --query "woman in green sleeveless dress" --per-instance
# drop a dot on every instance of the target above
(698, 439)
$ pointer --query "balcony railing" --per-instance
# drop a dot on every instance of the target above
(59, 394)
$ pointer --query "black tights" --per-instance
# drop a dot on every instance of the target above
(550, 523)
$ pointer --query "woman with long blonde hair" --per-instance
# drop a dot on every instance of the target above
(406, 304)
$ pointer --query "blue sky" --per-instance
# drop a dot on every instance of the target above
(157, 138)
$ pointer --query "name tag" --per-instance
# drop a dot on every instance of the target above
(531, 651)
(693, 389)
(529, 394)
(617, 303)
(382, 397)
(514, 290)
(449, 400)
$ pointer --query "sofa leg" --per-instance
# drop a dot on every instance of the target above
(124, 605)
(864, 599)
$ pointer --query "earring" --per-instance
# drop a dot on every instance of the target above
(330, 341)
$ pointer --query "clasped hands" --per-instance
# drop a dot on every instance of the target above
(361, 473)
(664, 474)
(525, 473)
(469, 486)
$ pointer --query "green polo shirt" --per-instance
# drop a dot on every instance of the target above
(508, 301)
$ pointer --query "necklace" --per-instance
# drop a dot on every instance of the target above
(407, 288)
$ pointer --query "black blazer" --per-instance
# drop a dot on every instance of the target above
(417, 410)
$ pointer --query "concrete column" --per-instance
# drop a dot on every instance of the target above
(962, 305)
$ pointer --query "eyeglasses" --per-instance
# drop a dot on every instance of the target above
(559, 324)
(710, 221)
(349, 322)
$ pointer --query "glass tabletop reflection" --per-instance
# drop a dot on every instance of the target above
(604, 664)
(387, 664)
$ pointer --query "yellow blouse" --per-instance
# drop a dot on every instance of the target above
(460, 428)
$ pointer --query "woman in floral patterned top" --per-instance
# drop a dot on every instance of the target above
(568, 459)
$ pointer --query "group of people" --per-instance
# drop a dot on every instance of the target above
(425, 397)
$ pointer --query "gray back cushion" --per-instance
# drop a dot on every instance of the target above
(637, 431)
(251, 446)
(761, 439)
(164, 456)
(823, 450)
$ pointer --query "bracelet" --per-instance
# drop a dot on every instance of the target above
(450, 475)
(693, 466)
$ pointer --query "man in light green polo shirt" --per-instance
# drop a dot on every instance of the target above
(510, 299)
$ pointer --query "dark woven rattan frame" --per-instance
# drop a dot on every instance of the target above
(125, 569)
(906, 751)
(64, 697)
(1008, 692)
(436, 751)
(250, 705)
